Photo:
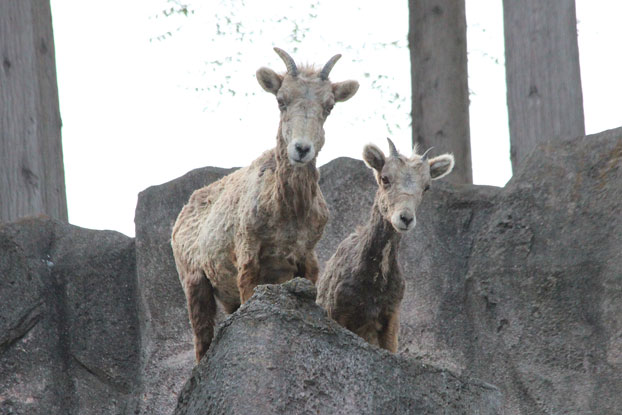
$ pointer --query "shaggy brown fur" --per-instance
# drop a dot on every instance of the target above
(260, 224)
(362, 286)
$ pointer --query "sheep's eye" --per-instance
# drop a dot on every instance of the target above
(281, 104)
(328, 109)
(426, 188)
(385, 180)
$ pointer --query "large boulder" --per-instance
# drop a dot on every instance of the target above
(280, 354)
(68, 323)
(544, 284)
(520, 287)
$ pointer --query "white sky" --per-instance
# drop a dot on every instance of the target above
(139, 111)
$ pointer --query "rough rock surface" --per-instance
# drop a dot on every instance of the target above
(281, 354)
(68, 323)
(544, 285)
(520, 287)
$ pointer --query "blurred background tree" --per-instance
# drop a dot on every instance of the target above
(32, 177)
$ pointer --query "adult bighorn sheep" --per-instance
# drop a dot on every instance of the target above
(362, 285)
(260, 224)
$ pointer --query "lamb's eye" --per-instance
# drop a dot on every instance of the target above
(328, 109)
(426, 188)
(281, 104)
(385, 180)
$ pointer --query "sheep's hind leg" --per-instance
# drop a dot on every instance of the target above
(201, 309)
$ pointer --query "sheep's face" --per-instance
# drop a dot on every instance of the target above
(305, 99)
(402, 182)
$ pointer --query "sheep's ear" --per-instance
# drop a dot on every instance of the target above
(345, 90)
(269, 80)
(373, 157)
(441, 166)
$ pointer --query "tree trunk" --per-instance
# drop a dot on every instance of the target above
(32, 179)
(543, 77)
(440, 92)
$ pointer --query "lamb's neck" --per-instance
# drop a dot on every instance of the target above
(378, 235)
(296, 187)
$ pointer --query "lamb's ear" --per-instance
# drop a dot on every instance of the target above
(269, 80)
(441, 166)
(373, 157)
(345, 90)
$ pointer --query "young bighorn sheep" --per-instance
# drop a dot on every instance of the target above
(362, 285)
(260, 224)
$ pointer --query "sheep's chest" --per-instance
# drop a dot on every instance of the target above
(383, 294)
(287, 243)
(367, 294)
(281, 225)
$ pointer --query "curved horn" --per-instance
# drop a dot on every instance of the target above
(424, 156)
(289, 61)
(393, 150)
(328, 67)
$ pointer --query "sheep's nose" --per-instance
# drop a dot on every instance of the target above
(302, 149)
(406, 218)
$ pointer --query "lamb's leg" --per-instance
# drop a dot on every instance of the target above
(201, 309)
(387, 338)
(312, 268)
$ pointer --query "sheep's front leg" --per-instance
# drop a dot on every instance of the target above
(201, 309)
(248, 277)
(388, 336)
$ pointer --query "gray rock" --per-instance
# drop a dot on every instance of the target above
(436, 257)
(544, 286)
(280, 354)
(520, 287)
(69, 322)
(31, 370)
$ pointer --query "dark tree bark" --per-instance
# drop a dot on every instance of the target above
(440, 92)
(32, 179)
(544, 94)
